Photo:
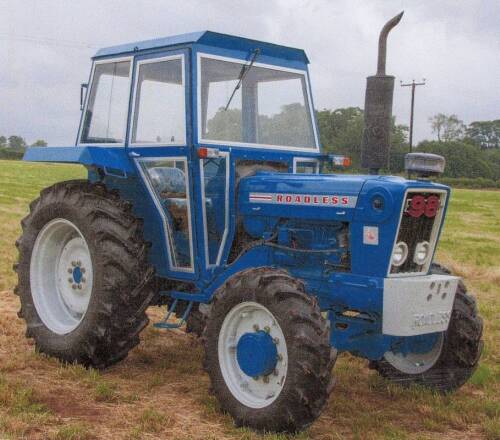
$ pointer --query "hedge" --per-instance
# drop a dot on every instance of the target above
(468, 182)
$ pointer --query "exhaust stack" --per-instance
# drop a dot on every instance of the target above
(378, 108)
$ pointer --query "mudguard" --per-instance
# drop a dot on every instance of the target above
(114, 159)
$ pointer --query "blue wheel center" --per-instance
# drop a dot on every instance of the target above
(256, 354)
(419, 344)
(77, 275)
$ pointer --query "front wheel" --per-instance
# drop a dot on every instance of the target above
(267, 351)
(440, 361)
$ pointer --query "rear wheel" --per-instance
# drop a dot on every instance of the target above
(267, 351)
(441, 361)
(83, 279)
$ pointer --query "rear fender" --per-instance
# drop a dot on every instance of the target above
(112, 160)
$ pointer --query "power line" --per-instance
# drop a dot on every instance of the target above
(47, 41)
(413, 84)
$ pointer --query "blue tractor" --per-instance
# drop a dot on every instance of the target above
(206, 192)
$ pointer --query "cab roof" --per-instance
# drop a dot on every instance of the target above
(207, 38)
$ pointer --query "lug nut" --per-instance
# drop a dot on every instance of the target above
(79, 287)
(74, 286)
(275, 372)
(266, 379)
(256, 327)
(70, 270)
(83, 270)
(70, 280)
(280, 357)
(78, 263)
(267, 329)
(83, 280)
(73, 263)
(256, 378)
(276, 341)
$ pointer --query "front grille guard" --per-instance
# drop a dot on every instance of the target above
(413, 230)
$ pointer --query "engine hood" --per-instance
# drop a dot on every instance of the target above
(326, 196)
(334, 196)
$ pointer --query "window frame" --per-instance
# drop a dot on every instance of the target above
(168, 233)
(208, 265)
(298, 159)
(87, 97)
(134, 96)
(304, 73)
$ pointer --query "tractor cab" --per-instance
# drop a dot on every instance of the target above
(190, 115)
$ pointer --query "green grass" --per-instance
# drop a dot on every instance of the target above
(161, 390)
(74, 431)
(20, 183)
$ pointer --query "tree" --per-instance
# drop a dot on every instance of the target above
(291, 126)
(3, 141)
(485, 133)
(17, 143)
(462, 159)
(39, 143)
(225, 125)
(341, 132)
(448, 128)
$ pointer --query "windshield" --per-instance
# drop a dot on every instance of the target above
(270, 108)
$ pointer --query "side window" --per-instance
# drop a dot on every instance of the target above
(214, 178)
(105, 118)
(168, 181)
(306, 166)
(159, 110)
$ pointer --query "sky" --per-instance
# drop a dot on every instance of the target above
(46, 46)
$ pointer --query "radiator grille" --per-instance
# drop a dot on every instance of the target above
(414, 229)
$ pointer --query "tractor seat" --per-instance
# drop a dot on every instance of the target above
(168, 180)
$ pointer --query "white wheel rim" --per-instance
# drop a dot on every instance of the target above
(61, 276)
(416, 363)
(251, 392)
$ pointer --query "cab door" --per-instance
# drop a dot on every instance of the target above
(159, 144)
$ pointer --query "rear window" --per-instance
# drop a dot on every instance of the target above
(105, 118)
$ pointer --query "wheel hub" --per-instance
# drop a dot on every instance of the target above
(77, 275)
(257, 354)
(416, 354)
(253, 354)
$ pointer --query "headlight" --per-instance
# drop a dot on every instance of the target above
(399, 254)
(422, 253)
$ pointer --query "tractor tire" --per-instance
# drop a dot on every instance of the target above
(81, 234)
(291, 397)
(195, 323)
(461, 348)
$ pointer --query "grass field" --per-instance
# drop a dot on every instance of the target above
(161, 391)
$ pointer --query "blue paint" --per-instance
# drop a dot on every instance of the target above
(415, 344)
(343, 272)
(256, 354)
(210, 39)
(77, 275)
(114, 158)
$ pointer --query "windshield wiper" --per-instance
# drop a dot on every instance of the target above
(241, 76)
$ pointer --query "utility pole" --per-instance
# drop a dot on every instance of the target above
(413, 84)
